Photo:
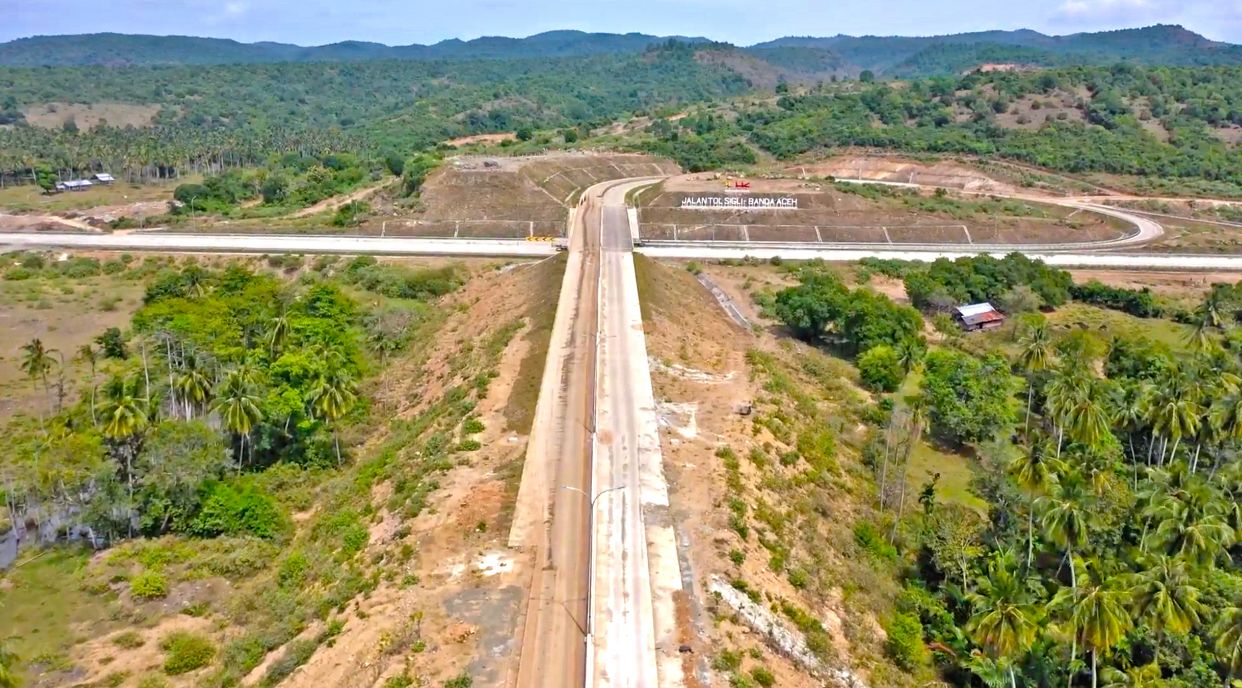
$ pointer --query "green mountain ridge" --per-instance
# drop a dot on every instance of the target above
(896, 56)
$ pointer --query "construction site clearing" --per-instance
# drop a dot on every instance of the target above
(821, 210)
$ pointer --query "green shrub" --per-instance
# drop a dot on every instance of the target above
(905, 641)
(148, 585)
(473, 426)
(185, 652)
(244, 509)
(763, 677)
(880, 368)
(872, 541)
(18, 274)
(462, 680)
(293, 570)
(737, 556)
(727, 660)
(469, 446)
(153, 681)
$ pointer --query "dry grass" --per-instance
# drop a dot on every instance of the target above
(90, 115)
(30, 198)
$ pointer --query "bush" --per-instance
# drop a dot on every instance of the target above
(148, 585)
(153, 681)
(185, 652)
(473, 426)
(880, 368)
(238, 510)
(18, 274)
(905, 641)
(462, 680)
(763, 677)
(1137, 302)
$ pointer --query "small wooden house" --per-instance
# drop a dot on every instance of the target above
(978, 316)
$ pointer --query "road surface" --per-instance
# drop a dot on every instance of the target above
(636, 570)
(553, 520)
(705, 251)
(276, 243)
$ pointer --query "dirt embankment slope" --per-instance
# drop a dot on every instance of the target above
(482, 196)
(764, 540)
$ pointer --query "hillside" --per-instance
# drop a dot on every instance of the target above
(124, 50)
(923, 56)
(834, 55)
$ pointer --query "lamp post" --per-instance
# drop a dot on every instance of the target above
(591, 560)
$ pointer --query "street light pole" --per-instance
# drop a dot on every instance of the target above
(590, 624)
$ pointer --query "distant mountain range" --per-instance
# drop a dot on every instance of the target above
(897, 56)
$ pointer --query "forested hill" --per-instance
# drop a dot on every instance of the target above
(936, 55)
(124, 50)
(896, 56)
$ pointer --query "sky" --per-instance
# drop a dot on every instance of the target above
(742, 22)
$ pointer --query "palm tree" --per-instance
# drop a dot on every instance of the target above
(125, 416)
(332, 397)
(1034, 472)
(1061, 394)
(90, 355)
(1035, 354)
(1228, 632)
(1208, 316)
(1165, 596)
(910, 352)
(37, 361)
(1097, 618)
(1085, 415)
(1066, 517)
(1146, 676)
(193, 385)
(1175, 411)
(1192, 525)
(1004, 621)
(238, 406)
(278, 334)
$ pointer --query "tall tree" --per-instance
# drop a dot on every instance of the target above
(1035, 354)
(1097, 617)
(37, 361)
(1165, 596)
(90, 356)
(238, 406)
(1004, 621)
(125, 416)
(1228, 632)
(1034, 471)
(332, 397)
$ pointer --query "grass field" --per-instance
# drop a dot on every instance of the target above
(1107, 323)
(64, 313)
(30, 198)
(47, 597)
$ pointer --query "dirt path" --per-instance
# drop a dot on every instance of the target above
(330, 204)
